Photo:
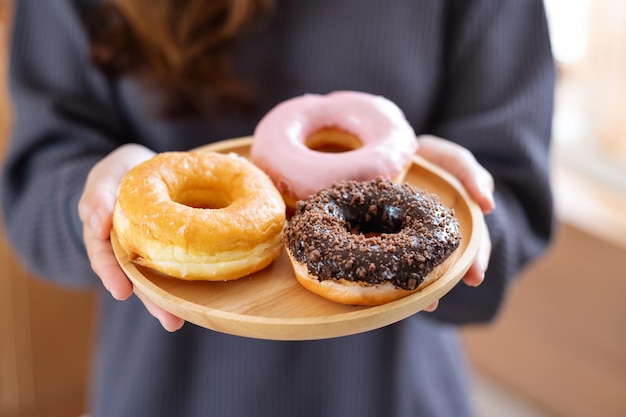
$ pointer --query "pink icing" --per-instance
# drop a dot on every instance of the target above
(278, 146)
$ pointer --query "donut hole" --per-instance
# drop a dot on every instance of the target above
(333, 140)
(202, 198)
(376, 220)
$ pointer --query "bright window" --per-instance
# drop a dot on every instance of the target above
(589, 43)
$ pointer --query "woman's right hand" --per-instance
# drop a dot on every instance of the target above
(95, 209)
(461, 163)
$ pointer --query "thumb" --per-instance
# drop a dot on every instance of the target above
(96, 204)
(461, 163)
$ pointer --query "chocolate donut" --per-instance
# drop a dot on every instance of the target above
(378, 239)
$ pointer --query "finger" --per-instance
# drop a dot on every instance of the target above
(170, 322)
(474, 276)
(96, 211)
(461, 163)
(432, 307)
(105, 265)
(95, 207)
(476, 273)
(96, 204)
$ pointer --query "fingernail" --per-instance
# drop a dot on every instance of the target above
(482, 278)
(487, 193)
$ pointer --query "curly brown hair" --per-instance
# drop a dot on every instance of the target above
(183, 48)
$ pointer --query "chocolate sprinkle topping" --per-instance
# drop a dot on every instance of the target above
(373, 231)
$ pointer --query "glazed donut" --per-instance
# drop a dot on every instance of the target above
(199, 216)
(307, 143)
(371, 242)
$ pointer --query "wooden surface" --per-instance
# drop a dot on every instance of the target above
(271, 304)
(560, 342)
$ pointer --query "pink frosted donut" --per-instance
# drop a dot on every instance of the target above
(309, 142)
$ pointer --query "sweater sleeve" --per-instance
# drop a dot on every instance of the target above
(497, 100)
(63, 122)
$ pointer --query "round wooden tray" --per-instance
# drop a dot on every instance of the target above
(271, 304)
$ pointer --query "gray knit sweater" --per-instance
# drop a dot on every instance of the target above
(477, 72)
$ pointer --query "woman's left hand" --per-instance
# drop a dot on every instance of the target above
(95, 209)
(461, 163)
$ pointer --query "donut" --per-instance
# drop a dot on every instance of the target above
(370, 242)
(199, 216)
(307, 143)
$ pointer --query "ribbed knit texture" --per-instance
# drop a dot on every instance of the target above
(476, 72)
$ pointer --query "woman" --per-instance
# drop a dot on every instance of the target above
(98, 88)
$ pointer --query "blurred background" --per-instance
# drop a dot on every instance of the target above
(558, 348)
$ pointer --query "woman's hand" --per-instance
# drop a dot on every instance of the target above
(95, 209)
(479, 183)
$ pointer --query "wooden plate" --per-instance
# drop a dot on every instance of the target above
(271, 304)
